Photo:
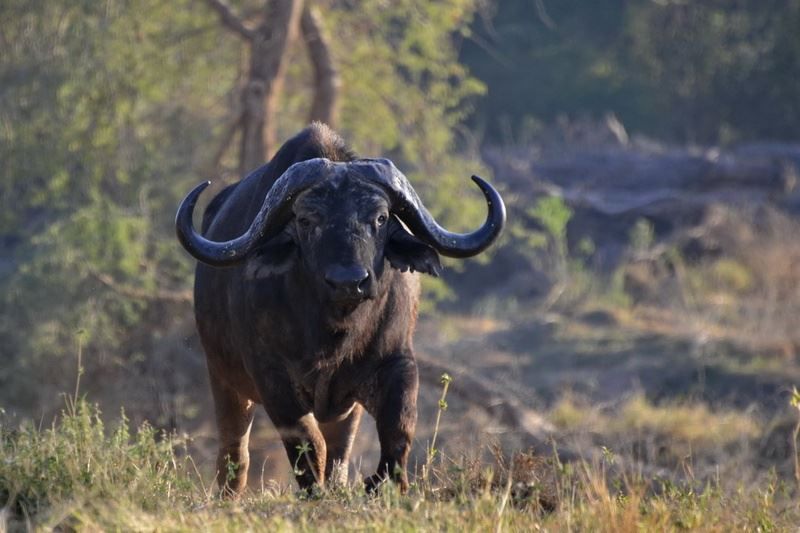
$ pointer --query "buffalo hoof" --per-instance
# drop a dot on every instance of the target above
(373, 484)
(312, 493)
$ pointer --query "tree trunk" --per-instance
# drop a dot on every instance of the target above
(268, 46)
(327, 81)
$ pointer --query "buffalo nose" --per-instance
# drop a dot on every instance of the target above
(347, 281)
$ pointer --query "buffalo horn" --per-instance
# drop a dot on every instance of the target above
(270, 220)
(408, 207)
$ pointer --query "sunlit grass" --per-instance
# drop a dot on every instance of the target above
(668, 434)
(81, 474)
(690, 423)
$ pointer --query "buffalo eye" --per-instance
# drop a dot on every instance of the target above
(381, 220)
(304, 222)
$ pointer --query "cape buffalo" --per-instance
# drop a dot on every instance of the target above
(306, 298)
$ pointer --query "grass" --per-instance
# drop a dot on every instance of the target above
(81, 474)
(678, 429)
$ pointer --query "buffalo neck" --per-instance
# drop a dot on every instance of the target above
(326, 331)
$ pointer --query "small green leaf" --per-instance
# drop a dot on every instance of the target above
(795, 400)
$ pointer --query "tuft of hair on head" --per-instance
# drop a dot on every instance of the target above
(331, 144)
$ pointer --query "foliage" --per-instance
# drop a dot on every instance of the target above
(549, 254)
(544, 58)
(725, 71)
(553, 214)
(641, 236)
(707, 72)
(410, 102)
(77, 463)
(103, 122)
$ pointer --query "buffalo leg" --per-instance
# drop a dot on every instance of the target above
(300, 434)
(396, 419)
(234, 420)
(339, 438)
(305, 448)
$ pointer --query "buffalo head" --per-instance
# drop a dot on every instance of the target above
(340, 223)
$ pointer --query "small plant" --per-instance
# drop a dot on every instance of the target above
(795, 402)
(445, 380)
(608, 455)
(231, 467)
(79, 336)
(642, 235)
(304, 450)
(569, 278)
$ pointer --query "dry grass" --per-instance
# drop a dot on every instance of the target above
(79, 475)
(686, 437)
(749, 293)
(694, 423)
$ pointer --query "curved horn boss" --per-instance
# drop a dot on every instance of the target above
(408, 207)
(274, 213)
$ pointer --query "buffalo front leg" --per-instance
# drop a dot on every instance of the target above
(305, 446)
(396, 419)
(339, 438)
(234, 419)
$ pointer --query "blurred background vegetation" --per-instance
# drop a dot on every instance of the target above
(705, 72)
(647, 150)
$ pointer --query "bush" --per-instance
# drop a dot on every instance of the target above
(77, 463)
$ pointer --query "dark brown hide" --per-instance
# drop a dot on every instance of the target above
(315, 323)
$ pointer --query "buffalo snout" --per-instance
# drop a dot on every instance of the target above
(348, 282)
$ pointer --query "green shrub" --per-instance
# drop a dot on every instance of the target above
(78, 461)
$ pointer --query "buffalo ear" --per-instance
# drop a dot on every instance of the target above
(274, 257)
(406, 252)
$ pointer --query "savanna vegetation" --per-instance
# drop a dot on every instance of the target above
(623, 360)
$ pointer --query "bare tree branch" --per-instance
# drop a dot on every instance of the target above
(228, 18)
(227, 139)
(327, 81)
(491, 50)
(544, 16)
(268, 45)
